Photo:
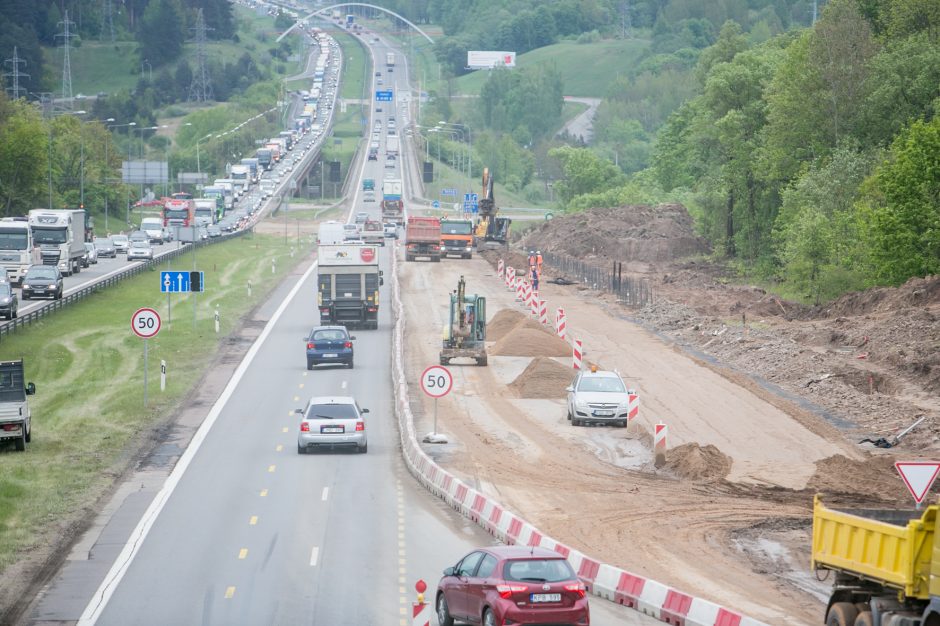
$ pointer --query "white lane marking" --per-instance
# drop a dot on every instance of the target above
(100, 600)
(326, 493)
(313, 556)
(343, 385)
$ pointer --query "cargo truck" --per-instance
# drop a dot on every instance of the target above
(264, 157)
(348, 281)
(423, 238)
(16, 245)
(373, 233)
(61, 237)
(886, 565)
(254, 168)
(393, 207)
(391, 146)
(241, 178)
(457, 238)
(389, 59)
(15, 419)
(205, 211)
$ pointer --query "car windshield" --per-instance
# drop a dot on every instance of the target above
(332, 411)
(119, 239)
(5, 289)
(103, 243)
(329, 335)
(40, 272)
(140, 244)
(13, 239)
(538, 570)
(602, 384)
(51, 236)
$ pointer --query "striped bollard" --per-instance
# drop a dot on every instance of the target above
(510, 278)
(526, 294)
(500, 267)
(543, 312)
(659, 444)
(520, 290)
(560, 323)
(576, 352)
(420, 610)
(534, 304)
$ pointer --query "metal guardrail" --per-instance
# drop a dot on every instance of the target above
(28, 319)
(630, 291)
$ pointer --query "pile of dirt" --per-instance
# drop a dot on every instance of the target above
(627, 233)
(691, 461)
(867, 483)
(505, 322)
(526, 341)
(916, 292)
(542, 379)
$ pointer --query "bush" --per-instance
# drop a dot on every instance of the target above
(589, 37)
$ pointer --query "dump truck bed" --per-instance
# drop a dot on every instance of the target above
(890, 547)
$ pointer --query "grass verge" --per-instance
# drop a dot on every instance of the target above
(88, 415)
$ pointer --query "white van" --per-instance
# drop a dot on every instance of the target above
(330, 233)
(153, 226)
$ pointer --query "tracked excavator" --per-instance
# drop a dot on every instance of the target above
(491, 231)
(465, 334)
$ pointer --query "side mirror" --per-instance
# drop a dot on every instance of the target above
(569, 389)
(299, 411)
(305, 339)
(449, 571)
(381, 281)
(364, 411)
(352, 337)
(30, 389)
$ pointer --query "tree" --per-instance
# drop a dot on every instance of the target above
(162, 32)
(23, 156)
(585, 173)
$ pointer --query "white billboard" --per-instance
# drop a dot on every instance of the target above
(486, 59)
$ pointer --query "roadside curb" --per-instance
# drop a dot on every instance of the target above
(606, 581)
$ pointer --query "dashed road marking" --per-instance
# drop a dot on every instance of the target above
(326, 494)
(343, 385)
(242, 554)
(229, 592)
(284, 430)
(278, 448)
(253, 520)
(264, 493)
(271, 469)
(314, 553)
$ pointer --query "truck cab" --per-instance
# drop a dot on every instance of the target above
(15, 418)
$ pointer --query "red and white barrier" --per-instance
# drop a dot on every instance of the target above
(576, 354)
(601, 579)
(634, 410)
(500, 268)
(510, 278)
(520, 290)
(534, 303)
(561, 324)
(543, 312)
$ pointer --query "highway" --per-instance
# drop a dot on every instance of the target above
(248, 531)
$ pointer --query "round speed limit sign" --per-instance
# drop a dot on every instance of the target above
(145, 323)
(436, 381)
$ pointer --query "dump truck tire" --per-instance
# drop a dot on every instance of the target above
(842, 614)
(864, 619)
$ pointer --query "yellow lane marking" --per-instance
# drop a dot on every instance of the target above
(242, 553)
(305, 373)
(402, 610)
(278, 448)
(264, 493)
(229, 592)
(253, 520)
(284, 430)
(296, 398)
(271, 469)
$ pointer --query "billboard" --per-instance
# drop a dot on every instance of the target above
(486, 59)
(144, 172)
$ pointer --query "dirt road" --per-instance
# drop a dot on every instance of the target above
(747, 460)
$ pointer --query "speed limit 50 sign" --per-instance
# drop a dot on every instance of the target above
(436, 381)
(145, 323)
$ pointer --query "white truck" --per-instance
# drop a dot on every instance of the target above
(205, 211)
(390, 59)
(153, 226)
(61, 237)
(241, 177)
(391, 146)
(15, 419)
(16, 245)
(348, 281)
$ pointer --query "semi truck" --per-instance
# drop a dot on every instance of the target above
(254, 169)
(457, 238)
(264, 157)
(423, 238)
(16, 245)
(393, 208)
(390, 59)
(205, 211)
(348, 281)
(15, 418)
(61, 237)
(241, 178)
(886, 565)
(391, 146)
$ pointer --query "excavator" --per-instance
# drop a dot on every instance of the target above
(491, 230)
(465, 333)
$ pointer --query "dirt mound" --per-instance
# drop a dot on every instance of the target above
(505, 322)
(916, 292)
(525, 341)
(628, 233)
(543, 378)
(847, 482)
(694, 462)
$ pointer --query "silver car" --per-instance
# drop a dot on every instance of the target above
(140, 250)
(598, 397)
(121, 243)
(334, 422)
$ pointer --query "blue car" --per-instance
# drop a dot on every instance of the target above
(329, 344)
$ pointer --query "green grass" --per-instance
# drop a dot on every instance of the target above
(586, 69)
(356, 67)
(448, 177)
(571, 110)
(88, 413)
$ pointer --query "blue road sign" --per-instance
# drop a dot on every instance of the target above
(471, 197)
(470, 207)
(383, 96)
(436, 204)
(181, 282)
(449, 192)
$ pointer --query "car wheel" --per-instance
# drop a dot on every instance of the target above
(443, 613)
(488, 618)
(301, 449)
(350, 364)
(364, 449)
(569, 416)
(309, 365)
(25, 297)
(576, 422)
(623, 423)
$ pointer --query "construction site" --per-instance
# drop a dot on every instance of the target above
(767, 403)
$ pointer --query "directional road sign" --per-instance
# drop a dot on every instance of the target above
(449, 192)
(471, 197)
(383, 96)
(918, 476)
(181, 282)
(437, 381)
(145, 323)
(436, 204)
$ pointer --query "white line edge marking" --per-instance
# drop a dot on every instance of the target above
(314, 553)
(326, 493)
(103, 594)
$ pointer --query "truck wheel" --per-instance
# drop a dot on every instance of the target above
(481, 361)
(20, 443)
(864, 619)
(842, 614)
(409, 257)
(436, 259)
(29, 434)
(445, 361)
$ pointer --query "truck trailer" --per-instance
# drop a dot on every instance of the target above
(61, 237)
(348, 281)
(423, 238)
(393, 207)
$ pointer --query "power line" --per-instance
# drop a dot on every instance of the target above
(200, 89)
(15, 75)
(107, 19)
(66, 36)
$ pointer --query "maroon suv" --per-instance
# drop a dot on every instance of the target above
(503, 585)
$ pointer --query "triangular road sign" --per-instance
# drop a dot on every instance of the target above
(918, 476)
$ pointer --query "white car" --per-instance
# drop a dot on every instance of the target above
(598, 397)
(140, 250)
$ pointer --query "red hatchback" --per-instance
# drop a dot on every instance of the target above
(504, 585)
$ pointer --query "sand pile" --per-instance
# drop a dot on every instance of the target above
(505, 322)
(543, 379)
(525, 341)
(694, 462)
(847, 482)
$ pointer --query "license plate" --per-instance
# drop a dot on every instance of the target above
(604, 413)
(329, 356)
(331, 429)
(545, 597)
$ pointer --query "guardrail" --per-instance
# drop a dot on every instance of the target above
(633, 292)
(27, 319)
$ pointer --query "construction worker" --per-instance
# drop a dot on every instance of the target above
(531, 259)
(535, 279)
(538, 261)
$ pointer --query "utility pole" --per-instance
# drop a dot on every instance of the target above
(15, 75)
(200, 90)
(66, 36)
(107, 19)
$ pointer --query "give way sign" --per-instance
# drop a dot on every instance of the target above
(918, 476)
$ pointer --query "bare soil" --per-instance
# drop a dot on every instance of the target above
(766, 402)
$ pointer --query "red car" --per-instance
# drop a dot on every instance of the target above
(504, 585)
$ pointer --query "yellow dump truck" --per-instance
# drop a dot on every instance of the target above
(885, 564)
